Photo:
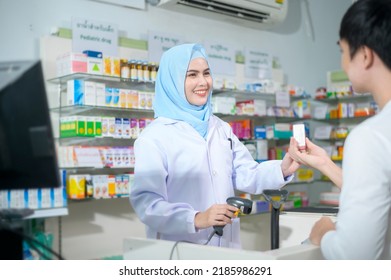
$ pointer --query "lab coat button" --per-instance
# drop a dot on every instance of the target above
(214, 172)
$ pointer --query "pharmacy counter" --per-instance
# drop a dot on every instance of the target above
(295, 226)
(148, 249)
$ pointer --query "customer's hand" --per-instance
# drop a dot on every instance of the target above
(320, 228)
(314, 156)
(216, 215)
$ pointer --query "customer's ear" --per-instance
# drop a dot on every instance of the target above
(368, 57)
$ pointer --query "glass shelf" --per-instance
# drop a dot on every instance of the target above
(47, 213)
(344, 120)
(241, 95)
(93, 168)
(229, 117)
(118, 82)
(353, 98)
(88, 199)
(331, 139)
(99, 110)
(96, 141)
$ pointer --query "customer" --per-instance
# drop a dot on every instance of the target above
(363, 228)
(188, 161)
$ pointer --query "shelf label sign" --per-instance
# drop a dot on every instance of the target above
(221, 58)
(258, 64)
(95, 36)
(159, 42)
(283, 99)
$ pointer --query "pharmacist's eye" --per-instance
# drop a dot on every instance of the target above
(191, 74)
(207, 73)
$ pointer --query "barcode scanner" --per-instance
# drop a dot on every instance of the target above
(244, 205)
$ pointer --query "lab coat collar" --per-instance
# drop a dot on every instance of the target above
(166, 121)
(213, 121)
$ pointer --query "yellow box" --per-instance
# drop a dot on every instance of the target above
(76, 187)
(111, 185)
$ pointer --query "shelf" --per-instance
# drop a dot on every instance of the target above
(241, 95)
(354, 98)
(48, 213)
(98, 110)
(92, 168)
(96, 141)
(331, 139)
(148, 86)
(343, 120)
(266, 118)
(88, 199)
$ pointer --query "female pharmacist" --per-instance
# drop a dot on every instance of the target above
(188, 161)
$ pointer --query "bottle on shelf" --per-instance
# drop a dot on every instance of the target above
(140, 73)
(133, 70)
(153, 71)
(146, 72)
(124, 70)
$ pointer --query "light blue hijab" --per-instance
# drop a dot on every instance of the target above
(170, 99)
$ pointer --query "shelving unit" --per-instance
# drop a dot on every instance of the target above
(98, 111)
(331, 129)
(319, 184)
(344, 122)
(269, 120)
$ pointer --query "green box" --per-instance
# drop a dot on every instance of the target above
(90, 126)
(72, 126)
(98, 126)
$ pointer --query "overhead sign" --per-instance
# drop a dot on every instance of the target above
(95, 36)
(221, 58)
(159, 42)
(258, 64)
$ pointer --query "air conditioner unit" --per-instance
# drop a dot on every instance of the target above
(260, 14)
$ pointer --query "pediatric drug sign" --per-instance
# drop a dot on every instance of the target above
(95, 36)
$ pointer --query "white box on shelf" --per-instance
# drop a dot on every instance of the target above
(4, 203)
(75, 92)
(71, 62)
(89, 93)
(224, 105)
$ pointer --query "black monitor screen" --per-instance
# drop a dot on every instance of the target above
(27, 150)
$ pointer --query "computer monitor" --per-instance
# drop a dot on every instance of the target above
(27, 150)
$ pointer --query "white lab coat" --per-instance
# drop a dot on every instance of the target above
(178, 173)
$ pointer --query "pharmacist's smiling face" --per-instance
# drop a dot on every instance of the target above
(198, 82)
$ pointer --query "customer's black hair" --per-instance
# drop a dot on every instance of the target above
(368, 23)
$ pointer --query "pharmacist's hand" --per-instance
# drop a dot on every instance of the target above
(314, 156)
(216, 215)
(289, 165)
(320, 228)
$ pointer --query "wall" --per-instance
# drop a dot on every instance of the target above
(305, 58)
(305, 45)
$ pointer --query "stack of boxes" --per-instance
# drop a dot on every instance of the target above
(33, 198)
(84, 186)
